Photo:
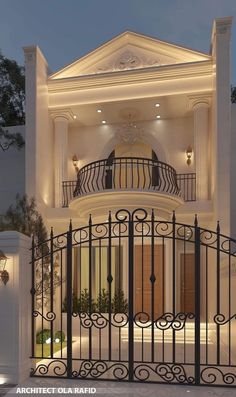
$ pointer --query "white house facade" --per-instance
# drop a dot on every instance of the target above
(123, 148)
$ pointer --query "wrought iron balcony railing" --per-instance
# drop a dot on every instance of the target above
(130, 173)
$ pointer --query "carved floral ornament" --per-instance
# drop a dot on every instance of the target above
(129, 60)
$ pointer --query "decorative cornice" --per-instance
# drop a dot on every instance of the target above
(65, 113)
(199, 101)
(145, 75)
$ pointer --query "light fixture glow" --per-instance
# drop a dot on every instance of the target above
(157, 105)
(103, 121)
(158, 116)
(2, 381)
(99, 111)
(57, 340)
(189, 153)
(48, 341)
(75, 117)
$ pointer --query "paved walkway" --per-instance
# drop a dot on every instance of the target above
(116, 389)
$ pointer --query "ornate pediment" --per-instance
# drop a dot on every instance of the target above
(127, 52)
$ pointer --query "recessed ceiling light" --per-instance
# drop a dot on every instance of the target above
(157, 105)
(103, 121)
(158, 116)
(74, 116)
(99, 111)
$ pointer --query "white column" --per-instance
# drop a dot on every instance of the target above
(60, 156)
(201, 147)
(15, 309)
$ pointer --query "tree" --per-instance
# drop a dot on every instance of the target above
(24, 218)
(12, 93)
(233, 94)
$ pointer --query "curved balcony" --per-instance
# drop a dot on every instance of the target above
(126, 173)
(133, 174)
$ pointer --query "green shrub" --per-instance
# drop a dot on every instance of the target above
(59, 335)
(119, 303)
(43, 335)
(102, 304)
(74, 304)
(84, 304)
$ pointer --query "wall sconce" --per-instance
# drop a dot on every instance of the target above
(189, 153)
(75, 162)
(4, 275)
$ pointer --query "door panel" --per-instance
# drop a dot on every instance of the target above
(143, 285)
(187, 298)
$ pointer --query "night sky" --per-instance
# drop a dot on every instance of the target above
(67, 29)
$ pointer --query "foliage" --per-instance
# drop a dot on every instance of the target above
(24, 218)
(74, 304)
(10, 139)
(59, 335)
(233, 94)
(103, 301)
(81, 305)
(119, 303)
(12, 93)
(43, 335)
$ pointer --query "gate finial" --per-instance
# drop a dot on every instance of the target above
(218, 227)
(195, 221)
(51, 234)
(173, 217)
(90, 219)
(70, 225)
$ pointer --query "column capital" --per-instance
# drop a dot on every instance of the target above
(199, 101)
(63, 113)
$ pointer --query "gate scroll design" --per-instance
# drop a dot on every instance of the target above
(135, 298)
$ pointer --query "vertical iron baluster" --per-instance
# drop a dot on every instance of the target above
(173, 280)
(197, 302)
(90, 284)
(32, 298)
(229, 276)
(51, 290)
(142, 286)
(163, 294)
(69, 300)
(138, 174)
(126, 171)
(61, 296)
(120, 183)
(149, 165)
(132, 173)
(42, 323)
(109, 280)
(144, 175)
(100, 291)
(152, 279)
(131, 295)
(218, 289)
(183, 291)
(206, 298)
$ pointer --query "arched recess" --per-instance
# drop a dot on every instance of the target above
(148, 139)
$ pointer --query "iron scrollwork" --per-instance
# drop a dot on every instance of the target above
(55, 367)
(215, 375)
(100, 321)
(97, 369)
(165, 321)
(167, 372)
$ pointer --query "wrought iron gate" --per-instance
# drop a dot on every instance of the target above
(135, 298)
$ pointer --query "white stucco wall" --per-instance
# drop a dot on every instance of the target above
(233, 172)
(12, 172)
(168, 137)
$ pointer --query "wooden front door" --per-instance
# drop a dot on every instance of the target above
(143, 285)
(187, 298)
